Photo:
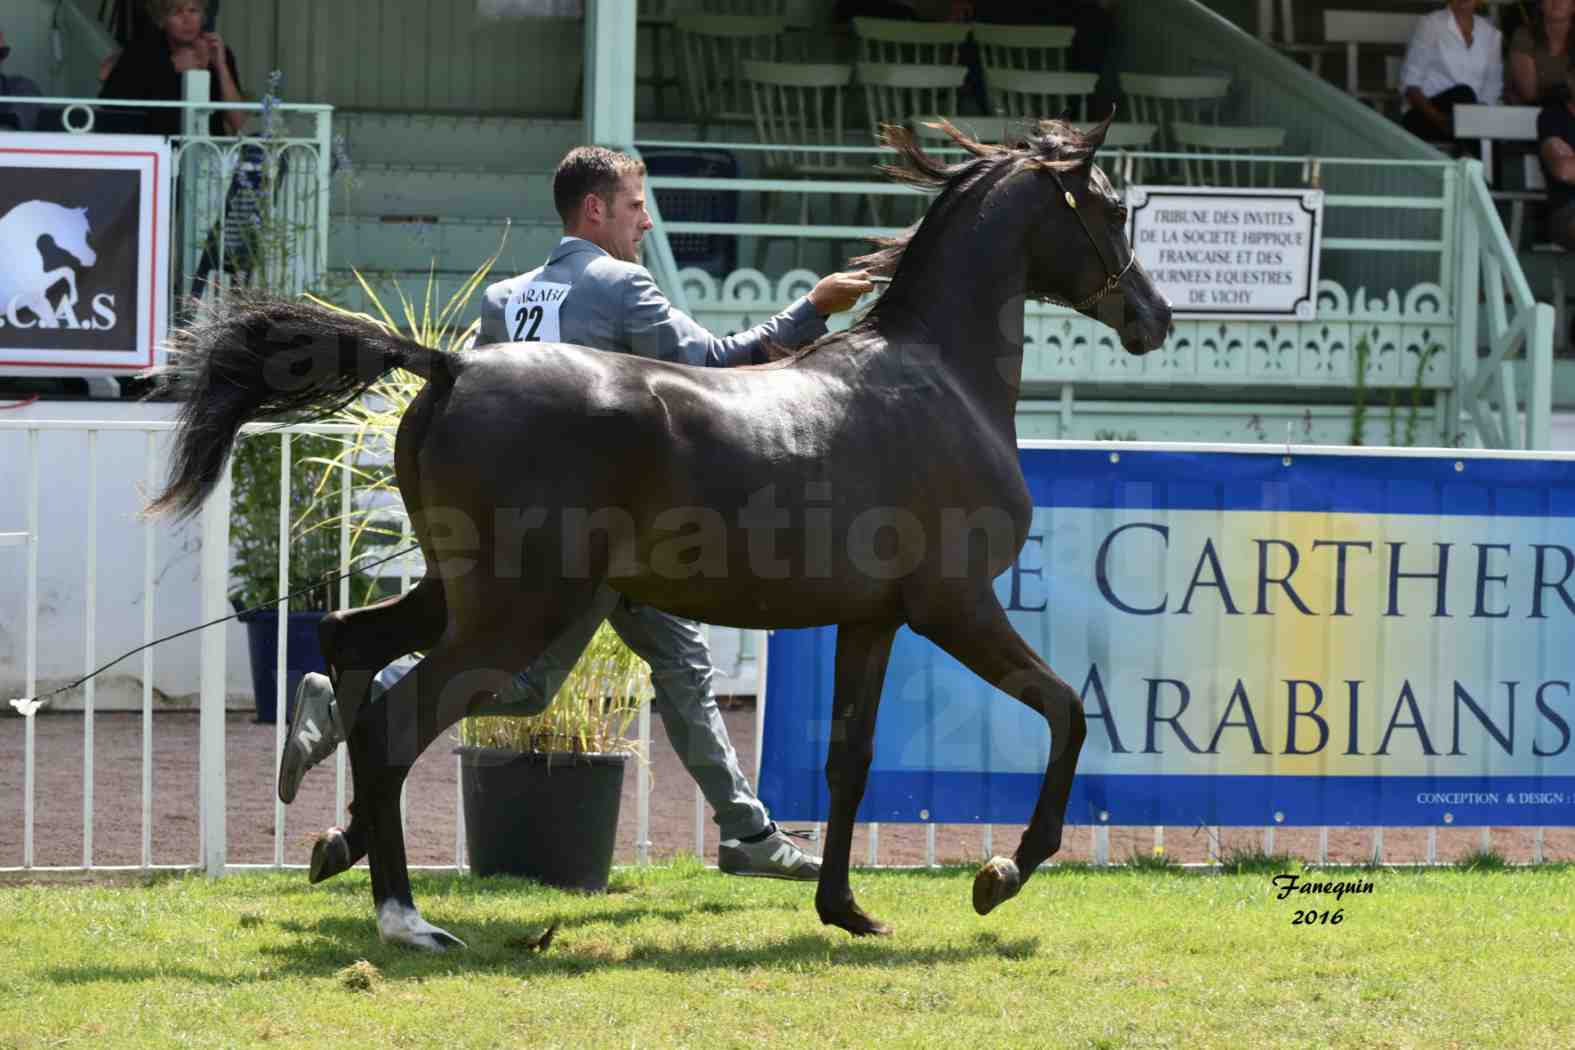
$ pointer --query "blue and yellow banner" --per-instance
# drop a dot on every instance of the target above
(1295, 637)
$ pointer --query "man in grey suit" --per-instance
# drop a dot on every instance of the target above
(592, 291)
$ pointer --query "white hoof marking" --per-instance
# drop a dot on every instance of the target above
(398, 924)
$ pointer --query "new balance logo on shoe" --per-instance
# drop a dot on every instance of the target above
(309, 734)
(772, 857)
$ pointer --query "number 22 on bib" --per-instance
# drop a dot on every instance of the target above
(532, 313)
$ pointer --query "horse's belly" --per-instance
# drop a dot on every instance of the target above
(763, 603)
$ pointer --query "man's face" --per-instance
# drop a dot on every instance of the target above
(626, 221)
(1463, 7)
(184, 23)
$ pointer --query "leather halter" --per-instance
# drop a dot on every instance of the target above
(1112, 276)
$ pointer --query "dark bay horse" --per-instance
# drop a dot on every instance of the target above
(868, 481)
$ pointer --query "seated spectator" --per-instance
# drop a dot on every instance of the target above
(1455, 57)
(1539, 55)
(1556, 144)
(151, 68)
(16, 116)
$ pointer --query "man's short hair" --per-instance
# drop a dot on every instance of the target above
(159, 10)
(590, 169)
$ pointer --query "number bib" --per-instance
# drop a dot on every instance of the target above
(532, 313)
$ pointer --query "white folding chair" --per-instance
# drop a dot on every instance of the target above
(714, 49)
(1216, 142)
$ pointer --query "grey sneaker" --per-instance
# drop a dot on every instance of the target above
(313, 733)
(773, 857)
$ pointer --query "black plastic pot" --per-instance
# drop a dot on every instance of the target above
(549, 817)
(302, 654)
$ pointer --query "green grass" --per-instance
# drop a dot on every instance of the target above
(678, 956)
(1483, 860)
(1256, 861)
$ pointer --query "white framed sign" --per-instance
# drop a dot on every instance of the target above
(1229, 253)
(84, 253)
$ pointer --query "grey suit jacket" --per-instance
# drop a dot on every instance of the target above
(613, 305)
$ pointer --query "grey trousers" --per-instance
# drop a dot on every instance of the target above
(681, 675)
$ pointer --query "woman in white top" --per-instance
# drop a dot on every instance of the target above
(1455, 56)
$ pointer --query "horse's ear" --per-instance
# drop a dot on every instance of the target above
(1094, 138)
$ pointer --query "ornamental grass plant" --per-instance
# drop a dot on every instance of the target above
(591, 714)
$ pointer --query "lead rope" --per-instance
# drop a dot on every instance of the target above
(28, 706)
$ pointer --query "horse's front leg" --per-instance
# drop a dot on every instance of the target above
(983, 639)
(862, 652)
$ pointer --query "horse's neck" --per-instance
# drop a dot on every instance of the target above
(971, 312)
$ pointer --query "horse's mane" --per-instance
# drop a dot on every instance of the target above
(1053, 145)
(1050, 145)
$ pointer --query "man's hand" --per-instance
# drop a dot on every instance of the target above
(839, 291)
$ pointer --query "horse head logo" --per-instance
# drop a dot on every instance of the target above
(24, 280)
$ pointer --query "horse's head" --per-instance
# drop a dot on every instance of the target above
(70, 233)
(1047, 195)
(1078, 253)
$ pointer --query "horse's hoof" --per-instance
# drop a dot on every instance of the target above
(330, 855)
(855, 921)
(402, 924)
(433, 939)
(997, 881)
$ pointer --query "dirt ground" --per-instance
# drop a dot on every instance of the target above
(431, 812)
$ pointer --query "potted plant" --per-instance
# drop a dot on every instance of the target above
(542, 792)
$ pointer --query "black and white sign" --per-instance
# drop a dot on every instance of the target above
(1241, 254)
(84, 253)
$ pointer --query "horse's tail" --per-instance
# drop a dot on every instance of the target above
(256, 356)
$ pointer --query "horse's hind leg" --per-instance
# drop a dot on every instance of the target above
(985, 641)
(462, 671)
(356, 644)
(862, 653)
